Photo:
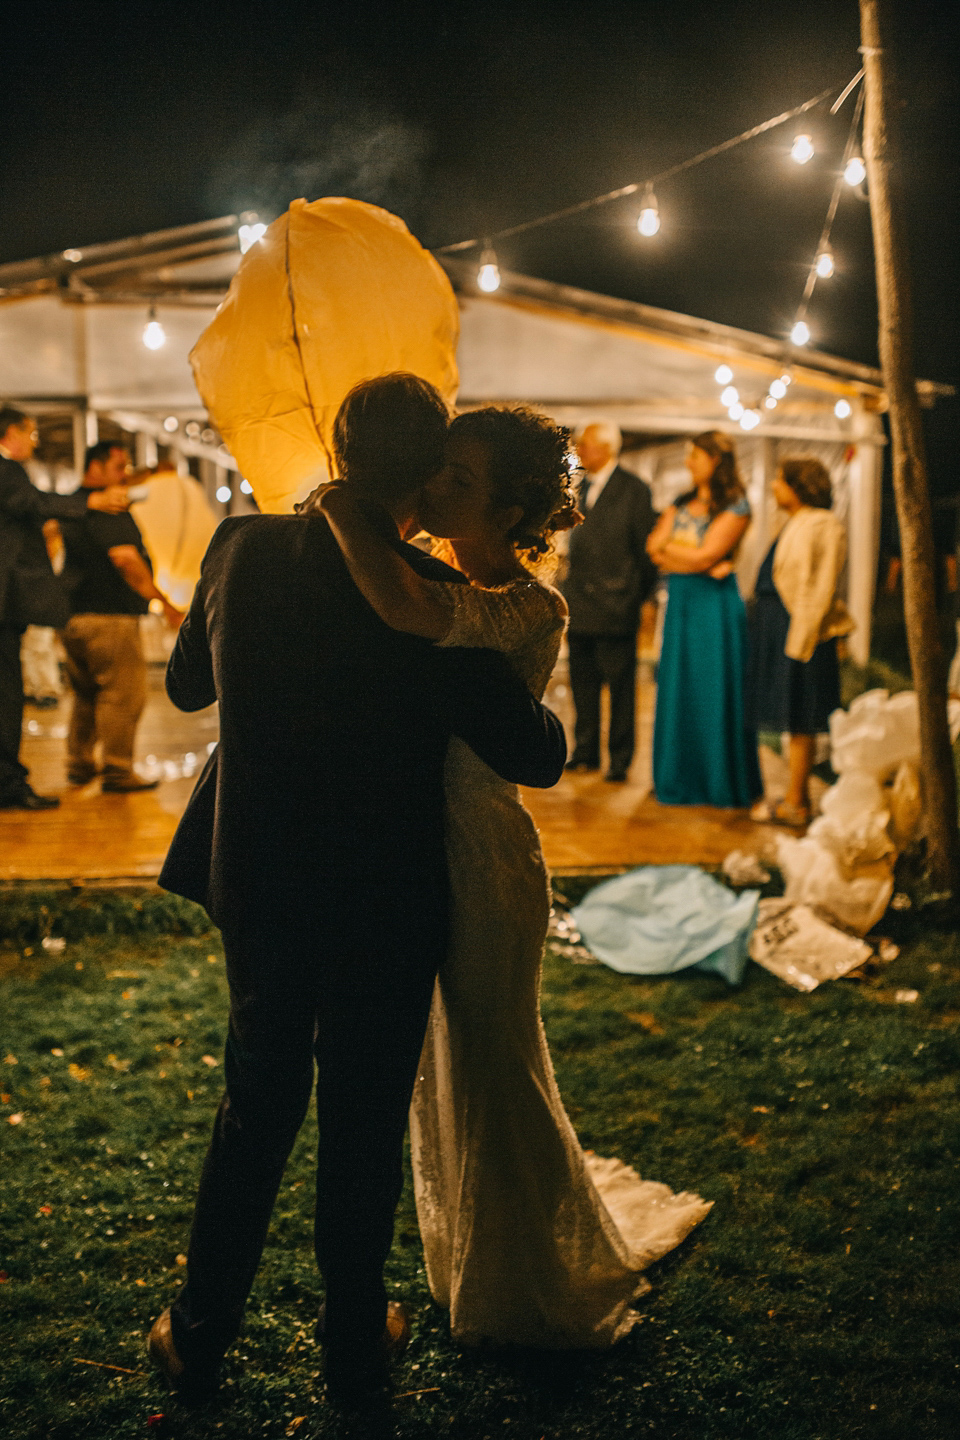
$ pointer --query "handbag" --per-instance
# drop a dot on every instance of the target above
(37, 597)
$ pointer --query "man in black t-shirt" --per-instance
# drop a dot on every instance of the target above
(110, 577)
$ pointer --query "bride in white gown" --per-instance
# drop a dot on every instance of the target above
(527, 1239)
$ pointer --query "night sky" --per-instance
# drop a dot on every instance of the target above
(117, 119)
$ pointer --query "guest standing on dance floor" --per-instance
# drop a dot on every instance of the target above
(608, 578)
(111, 584)
(796, 619)
(703, 751)
(30, 593)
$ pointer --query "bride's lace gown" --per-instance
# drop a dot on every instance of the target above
(527, 1239)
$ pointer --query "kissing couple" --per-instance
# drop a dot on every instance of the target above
(358, 837)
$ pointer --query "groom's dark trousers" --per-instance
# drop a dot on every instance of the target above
(314, 839)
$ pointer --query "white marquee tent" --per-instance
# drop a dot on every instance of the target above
(71, 342)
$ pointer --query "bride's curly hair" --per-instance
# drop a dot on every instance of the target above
(531, 465)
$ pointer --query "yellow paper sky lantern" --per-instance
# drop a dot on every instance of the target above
(176, 524)
(335, 292)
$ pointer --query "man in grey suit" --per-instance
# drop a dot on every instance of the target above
(608, 578)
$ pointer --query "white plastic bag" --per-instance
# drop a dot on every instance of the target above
(880, 731)
(905, 800)
(813, 876)
(853, 820)
(795, 943)
(743, 869)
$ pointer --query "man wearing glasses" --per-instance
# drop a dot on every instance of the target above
(30, 593)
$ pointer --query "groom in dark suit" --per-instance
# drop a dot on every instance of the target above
(314, 839)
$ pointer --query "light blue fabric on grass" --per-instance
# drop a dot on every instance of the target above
(664, 918)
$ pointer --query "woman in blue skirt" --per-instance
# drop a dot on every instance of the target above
(704, 752)
(796, 620)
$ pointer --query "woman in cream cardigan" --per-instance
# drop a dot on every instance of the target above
(797, 618)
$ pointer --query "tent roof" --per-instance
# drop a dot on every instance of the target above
(534, 340)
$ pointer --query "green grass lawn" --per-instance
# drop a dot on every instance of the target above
(819, 1298)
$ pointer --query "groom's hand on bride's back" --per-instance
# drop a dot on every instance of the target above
(490, 707)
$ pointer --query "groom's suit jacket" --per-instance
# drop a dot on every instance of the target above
(327, 782)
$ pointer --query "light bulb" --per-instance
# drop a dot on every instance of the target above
(170, 424)
(802, 149)
(786, 378)
(842, 409)
(154, 335)
(192, 429)
(856, 171)
(723, 375)
(249, 235)
(245, 487)
(488, 276)
(800, 334)
(730, 396)
(771, 402)
(825, 266)
(648, 221)
(224, 493)
(735, 411)
(750, 419)
(778, 389)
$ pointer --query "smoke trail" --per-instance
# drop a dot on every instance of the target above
(328, 144)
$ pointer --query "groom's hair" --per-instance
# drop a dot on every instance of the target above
(389, 434)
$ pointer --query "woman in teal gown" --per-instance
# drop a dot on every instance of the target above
(704, 752)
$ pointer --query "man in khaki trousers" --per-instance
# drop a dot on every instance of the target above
(111, 581)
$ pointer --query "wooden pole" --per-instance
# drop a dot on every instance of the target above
(909, 457)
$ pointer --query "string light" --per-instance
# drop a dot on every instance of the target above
(735, 411)
(488, 276)
(771, 402)
(802, 150)
(749, 420)
(852, 172)
(250, 230)
(855, 172)
(154, 335)
(648, 221)
(171, 424)
(778, 388)
(245, 487)
(842, 410)
(224, 494)
(622, 191)
(248, 235)
(730, 396)
(785, 379)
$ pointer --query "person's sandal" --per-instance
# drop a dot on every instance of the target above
(778, 812)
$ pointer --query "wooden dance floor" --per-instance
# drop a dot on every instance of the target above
(585, 824)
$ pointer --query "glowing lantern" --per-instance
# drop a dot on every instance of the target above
(176, 523)
(335, 292)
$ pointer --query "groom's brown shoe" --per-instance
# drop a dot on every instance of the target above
(396, 1336)
(193, 1386)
